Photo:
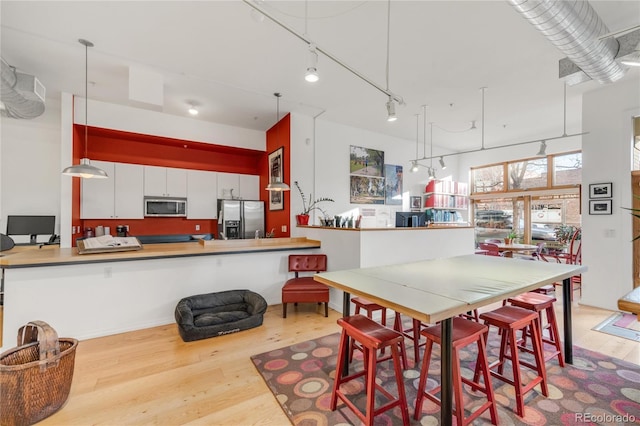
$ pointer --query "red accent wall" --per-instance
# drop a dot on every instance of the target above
(135, 148)
(278, 136)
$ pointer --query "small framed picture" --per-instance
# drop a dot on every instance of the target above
(415, 202)
(600, 206)
(600, 190)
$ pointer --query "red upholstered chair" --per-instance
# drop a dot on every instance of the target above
(304, 289)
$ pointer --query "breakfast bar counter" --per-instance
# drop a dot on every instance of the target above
(50, 255)
(99, 294)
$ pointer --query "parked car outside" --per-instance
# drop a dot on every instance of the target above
(539, 232)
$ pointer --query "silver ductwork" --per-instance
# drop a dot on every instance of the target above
(21, 95)
(574, 28)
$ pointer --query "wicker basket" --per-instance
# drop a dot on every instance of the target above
(35, 377)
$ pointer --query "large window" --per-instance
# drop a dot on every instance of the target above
(552, 197)
(567, 169)
(528, 174)
(488, 178)
(552, 171)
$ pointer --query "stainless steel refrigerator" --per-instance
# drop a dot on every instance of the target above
(239, 219)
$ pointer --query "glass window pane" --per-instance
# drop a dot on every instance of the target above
(528, 174)
(488, 179)
(567, 169)
(493, 219)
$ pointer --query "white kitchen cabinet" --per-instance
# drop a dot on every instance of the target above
(228, 185)
(245, 187)
(165, 182)
(202, 194)
(120, 196)
(250, 187)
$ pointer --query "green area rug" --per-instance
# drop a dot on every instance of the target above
(596, 389)
(621, 325)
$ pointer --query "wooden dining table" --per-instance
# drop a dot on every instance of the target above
(440, 289)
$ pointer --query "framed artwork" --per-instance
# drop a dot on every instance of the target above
(392, 184)
(414, 202)
(276, 174)
(600, 190)
(366, 190)
(600, 206)
(366, 161)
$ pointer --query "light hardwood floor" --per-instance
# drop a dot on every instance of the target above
(152, 377)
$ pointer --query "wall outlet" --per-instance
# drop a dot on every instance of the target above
(197, 227)
(284, 228)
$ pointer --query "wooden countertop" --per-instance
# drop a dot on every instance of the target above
(32, 256)
(420, 228)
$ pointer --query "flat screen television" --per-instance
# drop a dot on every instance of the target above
(410, 219)
(31, 225)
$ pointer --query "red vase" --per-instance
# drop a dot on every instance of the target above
(302, 219)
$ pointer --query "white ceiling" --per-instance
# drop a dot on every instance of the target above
(218, 55)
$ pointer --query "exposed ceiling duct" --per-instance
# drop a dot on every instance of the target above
(22, 95)
(574, 28)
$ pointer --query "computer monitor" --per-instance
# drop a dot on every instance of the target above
(410, 219)
(31, 225)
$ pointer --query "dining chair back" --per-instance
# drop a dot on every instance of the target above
(491, 249)
(304, 289)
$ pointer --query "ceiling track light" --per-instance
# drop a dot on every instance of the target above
(312, 69)
(275, 184)
(542, 142)
(632, 60)
(85, 170)
(442, 164)
(193, 110)
(257, 5)
(543, 149)
(391, 110)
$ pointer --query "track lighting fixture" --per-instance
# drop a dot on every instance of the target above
(85, 170)
(414, 166)
(391, 110)
(442, 164)
(543, 149)
(193, 110)
(632, 60)
(312, 72)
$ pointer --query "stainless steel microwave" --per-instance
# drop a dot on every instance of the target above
(165, 207)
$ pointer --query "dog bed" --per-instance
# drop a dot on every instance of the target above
(215, 314)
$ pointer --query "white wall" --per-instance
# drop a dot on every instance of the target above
(29, 167)
(321, 165)
(606, 239)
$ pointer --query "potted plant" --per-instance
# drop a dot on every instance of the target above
(509, 238)
(308, 206)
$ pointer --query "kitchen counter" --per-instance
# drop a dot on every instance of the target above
(32, 256)
(419, 228)
(92, 295)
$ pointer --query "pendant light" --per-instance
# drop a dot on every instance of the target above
(276, 184)
(85, 169)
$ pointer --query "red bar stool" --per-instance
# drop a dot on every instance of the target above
(465, 332)
(509, 320)
(369, 307)
(372, 337)
(540, 303)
